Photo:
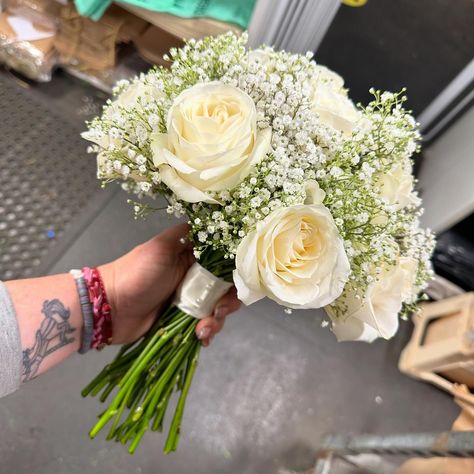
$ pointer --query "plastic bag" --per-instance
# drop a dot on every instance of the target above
(27, 47)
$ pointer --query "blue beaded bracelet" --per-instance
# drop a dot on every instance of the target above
(87, 311)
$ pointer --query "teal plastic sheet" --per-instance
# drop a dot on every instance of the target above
(92, 8)
(232, 11)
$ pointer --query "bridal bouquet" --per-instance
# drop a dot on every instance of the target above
(292, 193)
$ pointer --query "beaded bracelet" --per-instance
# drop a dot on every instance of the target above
(87, 310)
(102, 333)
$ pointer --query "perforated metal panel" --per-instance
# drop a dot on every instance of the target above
(46, 179)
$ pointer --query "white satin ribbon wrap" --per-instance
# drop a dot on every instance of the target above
(199, 292)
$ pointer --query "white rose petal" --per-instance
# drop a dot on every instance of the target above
(135, 92)
(397, 187)
(354, 329)
(314, 194)
(295, 257)
(104, 140)
(212, 142)
(264, 57)
(335, 110)
(329, 100)
(409, 267)
(324, 75)
(127, 99)
(376, 315)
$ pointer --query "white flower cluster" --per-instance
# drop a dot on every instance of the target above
(234, 138)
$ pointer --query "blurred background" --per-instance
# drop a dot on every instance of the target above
(272, 386)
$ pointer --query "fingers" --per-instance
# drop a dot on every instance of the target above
(208, 327)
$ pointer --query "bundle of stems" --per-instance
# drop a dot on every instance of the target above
(144, 374)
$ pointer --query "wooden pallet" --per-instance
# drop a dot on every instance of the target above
(441, 350)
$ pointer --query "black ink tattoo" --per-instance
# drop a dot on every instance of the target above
(51, 336)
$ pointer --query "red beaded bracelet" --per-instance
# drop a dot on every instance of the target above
(102, 335)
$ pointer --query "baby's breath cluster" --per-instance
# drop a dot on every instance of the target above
(361, 184)
(282, 99)
(360, 157)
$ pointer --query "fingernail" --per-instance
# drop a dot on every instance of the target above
(221, 312)
(204, 332)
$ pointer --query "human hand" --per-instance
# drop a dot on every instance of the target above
(141, 283)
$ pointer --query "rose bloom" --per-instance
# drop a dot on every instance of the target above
(325, 76)
(263, 56)
(132, 95)
(136, 92)
(295, 257)
(396, 186)
(329, 100)
(376, 315)
(212, 142)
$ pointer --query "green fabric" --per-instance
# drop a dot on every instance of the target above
(236, 11)
(92, 8)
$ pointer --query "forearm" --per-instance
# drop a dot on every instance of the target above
(50, 321)
(137, 287)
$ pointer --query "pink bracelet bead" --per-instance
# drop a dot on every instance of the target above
(102, 335)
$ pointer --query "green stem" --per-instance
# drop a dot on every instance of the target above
(126, 433)
(174, 431)
(155, 343)
(147, 371)
(97, 379)
(118, 364)
(103, 420)
(168, 373)
(137, 439)
(108, 390)
(99, 386)
(155, 394)
(161, 407)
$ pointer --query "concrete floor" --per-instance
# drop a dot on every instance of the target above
(266, 390)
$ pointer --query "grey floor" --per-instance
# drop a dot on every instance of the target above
(265, 392)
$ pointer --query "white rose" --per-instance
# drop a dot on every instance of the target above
(314, 194)
(325, 76)
(376, 315)
(409, 267)
(295, 257)
(335, 110)
(104, 140)
(329, 100)
(212, 142)
(136, 91)
(396, 186)
(127, 99)
(262, 56)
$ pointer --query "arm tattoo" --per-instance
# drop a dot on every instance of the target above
(51, 336)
